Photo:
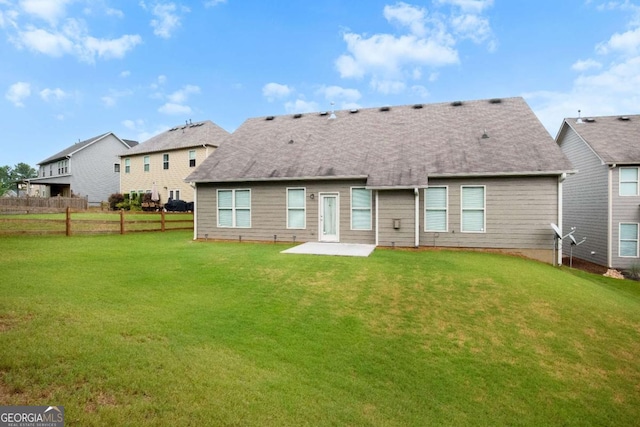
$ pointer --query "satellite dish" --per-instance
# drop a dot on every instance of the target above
(573, 240)
(557, 231)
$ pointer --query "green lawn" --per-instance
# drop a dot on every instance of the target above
(155, 329)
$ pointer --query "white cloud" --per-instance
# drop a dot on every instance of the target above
(273, 91)
(181, 96)
(585, 65)
(408, 16)
(337, 93)
(389, 60)
(49, 10)
(167, 18)
(111, 100)
(469, 6)
(174, 109)
(134, 125)
(420, 91)
(73, 39)
(627, 43)
(18, 92)
(212, 3)
(50, 95)
(125, 73)
(301, 106)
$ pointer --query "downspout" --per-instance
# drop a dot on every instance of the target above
(610, 217)
(195, 210)
(377, 219)
(561, 179)
(416, 197)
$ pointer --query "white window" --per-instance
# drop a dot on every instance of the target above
(435, 205)
(147, 163)
(296, 208)
(473, 209)
(628, 240)
(165, 161)
(360, 209)
(234, 208)
(628, 181)
(192, 158)
(127, 165)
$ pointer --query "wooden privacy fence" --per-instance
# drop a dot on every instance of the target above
(42, 204)
(70, 222)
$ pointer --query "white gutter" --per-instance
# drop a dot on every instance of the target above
(195, 211)
(416, 197)
(561, 179)
(610, 216)
(377, 219)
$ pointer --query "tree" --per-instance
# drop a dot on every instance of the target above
(12, 177)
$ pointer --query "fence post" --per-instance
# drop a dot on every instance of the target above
(162, 220)
(68, 222)
(121, 221)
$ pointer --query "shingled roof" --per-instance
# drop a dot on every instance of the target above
(615, 139)
(189, 135)
(390, 146)
(82, 144)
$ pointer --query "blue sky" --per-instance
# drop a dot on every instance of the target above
(74, 69)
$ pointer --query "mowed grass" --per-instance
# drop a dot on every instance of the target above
(156, 329)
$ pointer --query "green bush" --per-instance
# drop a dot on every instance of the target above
(114, 200)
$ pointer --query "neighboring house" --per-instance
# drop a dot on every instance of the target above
(166, 159)
(602, 200)
(477, 174)
(89, 168)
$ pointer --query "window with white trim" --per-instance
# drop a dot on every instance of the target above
(127, 165)
(472, 209)
(360, 209)
(234, 208)
(296, 208)
(192, 158)
(435, 208)
(165, 161)
(628, 240)
(628, 181)
(147, 163)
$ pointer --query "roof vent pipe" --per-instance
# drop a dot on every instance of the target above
(579, 121)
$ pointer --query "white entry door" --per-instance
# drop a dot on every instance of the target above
(329, 219)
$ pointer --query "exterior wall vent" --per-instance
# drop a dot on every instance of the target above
(456, 103)
(297, 116)
(270, 118)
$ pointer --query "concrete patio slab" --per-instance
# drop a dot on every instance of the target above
(339, 249)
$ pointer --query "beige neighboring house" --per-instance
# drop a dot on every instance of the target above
(166, 159)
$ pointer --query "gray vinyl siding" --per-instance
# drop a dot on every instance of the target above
(585, 200)
(396, 204)
(269, 212)
(518, 212)
(92, 172)
(626, 209)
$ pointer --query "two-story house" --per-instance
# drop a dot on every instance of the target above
(89, 168)
(167, 158)
(602, 200)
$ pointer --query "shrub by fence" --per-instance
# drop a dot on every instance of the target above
(71, 222)
(42, 204)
